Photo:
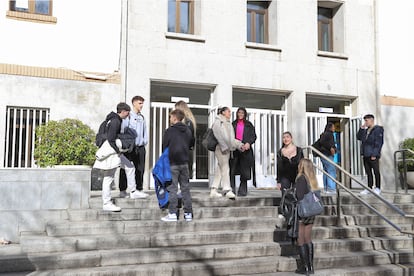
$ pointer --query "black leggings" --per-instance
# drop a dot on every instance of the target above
(372, 165)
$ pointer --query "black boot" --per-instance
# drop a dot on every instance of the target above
(310, 257)
(303, 254)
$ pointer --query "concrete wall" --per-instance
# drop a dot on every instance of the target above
(30, 197)
(219, 55)
(85, 37)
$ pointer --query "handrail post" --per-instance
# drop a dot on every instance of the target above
(338, 206)
(396, 172)
(405, 172)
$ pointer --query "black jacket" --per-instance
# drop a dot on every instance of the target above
(178, 140)
(190, 125)
(245, 158)
(114, 128)
(288, 168)
(372, 143)
(327, 142)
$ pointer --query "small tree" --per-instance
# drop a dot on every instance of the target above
(408, 144)
(65, 142)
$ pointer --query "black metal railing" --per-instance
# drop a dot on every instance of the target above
(401, 163)
(342, 186)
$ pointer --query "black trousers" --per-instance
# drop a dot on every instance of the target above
(137, 156)
(370, 166)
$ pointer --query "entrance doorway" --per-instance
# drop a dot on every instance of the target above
(163, 98)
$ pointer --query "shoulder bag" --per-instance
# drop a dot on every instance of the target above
(310, 205)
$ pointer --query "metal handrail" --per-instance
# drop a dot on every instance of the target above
(366, 204)
(404, 161)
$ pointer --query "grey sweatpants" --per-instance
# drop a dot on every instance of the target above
(179, 174)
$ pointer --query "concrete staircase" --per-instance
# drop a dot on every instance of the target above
(225, 238)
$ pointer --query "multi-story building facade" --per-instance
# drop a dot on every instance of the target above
(295, 65)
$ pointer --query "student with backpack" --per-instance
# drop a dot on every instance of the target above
(178, 140)
(110, 157)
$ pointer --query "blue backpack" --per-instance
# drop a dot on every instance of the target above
(162, 178)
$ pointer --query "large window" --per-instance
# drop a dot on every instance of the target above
(32, 6)
(257, 22)
(181, 16)
(325, 30)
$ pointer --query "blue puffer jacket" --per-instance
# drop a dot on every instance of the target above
(371, 143)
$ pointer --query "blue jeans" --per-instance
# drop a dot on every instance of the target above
(329, 184)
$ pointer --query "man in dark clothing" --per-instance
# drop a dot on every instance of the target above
(179, 140)
(372, 139)
(328, 148)
(113, 161)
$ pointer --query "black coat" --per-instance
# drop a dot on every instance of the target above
(327, 142)
(246, 158)
(177, 139)
(371, 143)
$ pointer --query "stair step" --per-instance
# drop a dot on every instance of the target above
(377, 270)
(326, 260)
(36, 244)
(150, 214)
(65, 228)
(259, 265)
(352, 245)
(109, 258)
(337, 232)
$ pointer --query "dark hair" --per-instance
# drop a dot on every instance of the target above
(122, 106)
(179, 114)
(288, 133)
(369, 116)
(222, 109)
(137, 98)
(244, 110)
(329, 126)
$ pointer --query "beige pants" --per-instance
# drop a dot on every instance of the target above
(222, 174)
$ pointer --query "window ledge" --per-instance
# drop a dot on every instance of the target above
(261, 46)
(188, 37)
(332, 55)
(40, 18)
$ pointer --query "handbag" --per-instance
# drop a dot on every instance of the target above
(310, 205)
(209, 140)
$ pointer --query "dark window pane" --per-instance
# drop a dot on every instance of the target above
(184, 17)
(324, 13)
(42, 7)
(249, 27)
(258, 6)
(171, 15)
(260, 33)
(326, 37)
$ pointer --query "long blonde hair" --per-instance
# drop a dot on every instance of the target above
(187, 112)
(306, 169)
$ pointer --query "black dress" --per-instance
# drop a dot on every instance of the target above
(287, 169)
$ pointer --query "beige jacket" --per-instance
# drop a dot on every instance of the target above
(224, 133)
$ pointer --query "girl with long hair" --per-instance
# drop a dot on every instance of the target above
(305, 182)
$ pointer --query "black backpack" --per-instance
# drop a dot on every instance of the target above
(101, 136)
(209, 140)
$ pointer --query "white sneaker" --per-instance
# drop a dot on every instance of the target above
(364, 192)
(170, 217)
(230, 195)
(214, 193)
(137, 194)
(111, 207)
(377, 191)
(188, 216)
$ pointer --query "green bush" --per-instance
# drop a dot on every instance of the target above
(65, 142)
(408, 144)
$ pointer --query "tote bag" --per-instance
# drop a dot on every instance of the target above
(310, 205)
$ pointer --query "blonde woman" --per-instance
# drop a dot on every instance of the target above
(305, 182)
(190, 122)
(224, 133)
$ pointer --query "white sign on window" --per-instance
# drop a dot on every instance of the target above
(23, 4)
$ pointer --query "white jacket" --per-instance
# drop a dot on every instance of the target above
(106, 157)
